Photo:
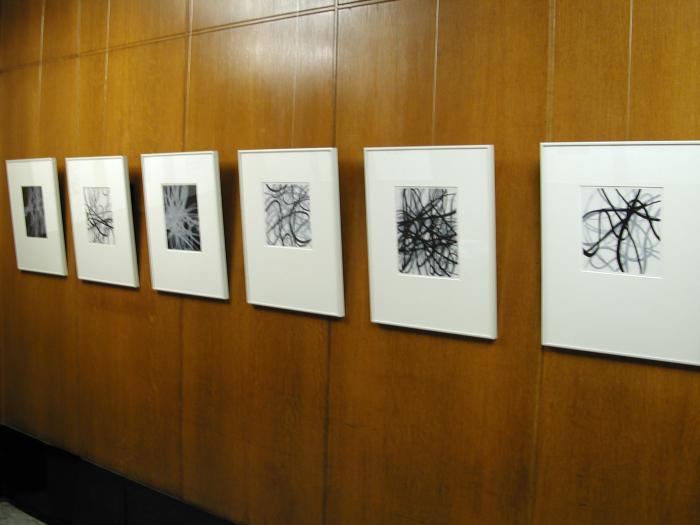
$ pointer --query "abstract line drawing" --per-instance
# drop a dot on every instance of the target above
(34, 214)
(98, 210)
(426, 221)
(622, 229)
(287, 214)
(181, 217)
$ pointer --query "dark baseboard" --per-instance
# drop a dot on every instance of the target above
(60, 488)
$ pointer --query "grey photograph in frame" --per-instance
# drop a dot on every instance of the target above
(184, 221)
(37, 222)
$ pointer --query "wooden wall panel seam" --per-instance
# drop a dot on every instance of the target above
(551, 61)
(435, 72)
(630, 41)
(192, 32)
(329, 326)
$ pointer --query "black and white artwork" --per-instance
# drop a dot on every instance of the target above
(181, 217)
(34, 214)
(426, 222)
(99, 217)
(622, 230)
(287, 214)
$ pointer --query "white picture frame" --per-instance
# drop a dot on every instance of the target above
(620, 246)
(102, 218)
(37, 223)
(186, 248)
(290, 211)
(451, 289)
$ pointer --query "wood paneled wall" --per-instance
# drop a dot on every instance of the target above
(267, 416)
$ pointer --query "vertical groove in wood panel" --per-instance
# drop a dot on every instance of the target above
(551, 61)
(261, 366)
(628, 104)
(492, 81)
(61, 28)
(591, 64)
(329, 332)
(384, 387)
(137, 20)
(549, 126)
(435, 71)
(131, 372)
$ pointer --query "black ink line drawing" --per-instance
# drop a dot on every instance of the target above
(287, 214)
(34, 214)
(621, 229)
(181, 217)
(426, 220)
(98, 210)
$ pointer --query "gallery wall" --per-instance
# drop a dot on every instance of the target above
(267, 416)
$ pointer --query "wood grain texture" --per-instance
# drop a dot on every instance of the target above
(61, 28)
(620, 439)
(20, 32)
(267, 416)
(591, 59)
(94, 17)
(209, 13)
(491, 88)
(254, 378)
(618, 442)
(39, 362)
(136, 20)
(665, 101)
(130, 351)
(387, 441)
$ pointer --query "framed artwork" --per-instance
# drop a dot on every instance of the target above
(291, 229)
(431, 234)
(36, 215)
(620, 245)
(182, 196)
(103, 225)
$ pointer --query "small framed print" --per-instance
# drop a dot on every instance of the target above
(291, 229)
(36, 215)
(431, 238)
(184, 220)
(620, 245)
(103, 225)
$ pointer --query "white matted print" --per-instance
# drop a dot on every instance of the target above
(184, 220)
(36, 215)
(431, 233)
(620, 246)
(103, 226)
(291, 229)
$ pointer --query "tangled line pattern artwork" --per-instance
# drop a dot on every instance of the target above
(426, 221)
(287, 214)
(622, 230)
(182, 217)
(98, 211)
(34, 214)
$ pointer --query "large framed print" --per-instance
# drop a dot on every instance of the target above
(620, 245)
(291, 229)
(103, 225)
(37, 223)
(182, 194)
(431, 233)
